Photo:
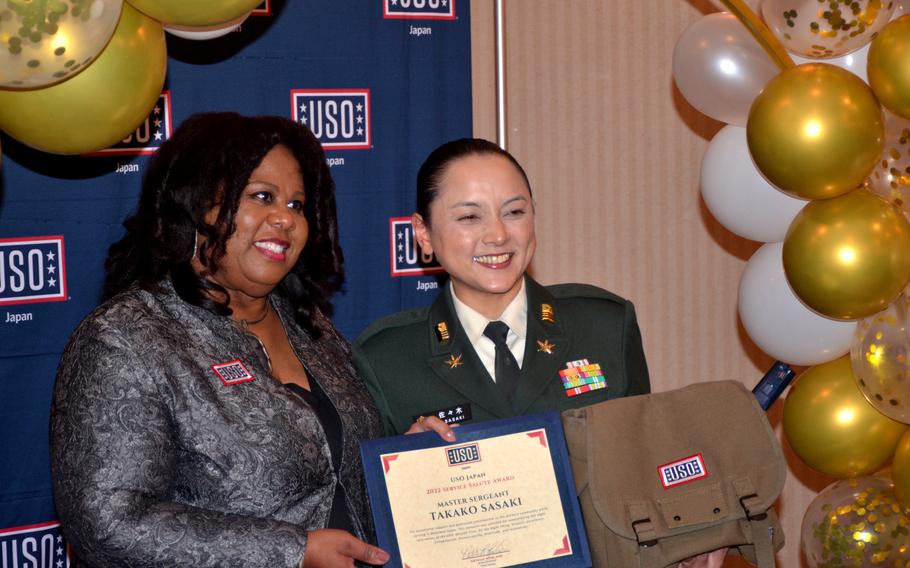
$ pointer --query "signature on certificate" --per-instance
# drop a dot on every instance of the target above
(487, 550)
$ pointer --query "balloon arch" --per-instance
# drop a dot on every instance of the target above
(815, 163)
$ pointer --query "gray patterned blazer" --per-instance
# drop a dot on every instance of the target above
(165, 452)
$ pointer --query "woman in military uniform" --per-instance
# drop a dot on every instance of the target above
(495, 343)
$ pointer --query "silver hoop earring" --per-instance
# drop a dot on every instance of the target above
(195, 246)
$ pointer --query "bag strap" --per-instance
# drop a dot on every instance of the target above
(757, 524)
(645, 534)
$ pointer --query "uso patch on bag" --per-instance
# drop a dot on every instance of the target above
(682, 471)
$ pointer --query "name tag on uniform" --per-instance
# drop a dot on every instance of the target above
(450, 415)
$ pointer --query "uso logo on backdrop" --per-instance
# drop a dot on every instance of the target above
(419, 9)
(407, 258)
(34, 546)
(149, 136)
(32, 270)
(339, 118)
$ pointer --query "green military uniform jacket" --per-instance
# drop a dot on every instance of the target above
(420, 362)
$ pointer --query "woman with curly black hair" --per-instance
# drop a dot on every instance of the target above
(207, 413)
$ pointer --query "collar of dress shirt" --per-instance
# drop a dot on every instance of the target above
(515, 316)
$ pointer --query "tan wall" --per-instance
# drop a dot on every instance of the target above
(613, 153)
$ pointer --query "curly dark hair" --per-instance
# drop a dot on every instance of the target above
(206, 164)
(434, 167)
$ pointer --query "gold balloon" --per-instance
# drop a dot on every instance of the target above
(42, 43)
(848, 257)
(900, 472)
(832, 427)
(815, 131)
(195, 12)
(101, 105)
(888, 66)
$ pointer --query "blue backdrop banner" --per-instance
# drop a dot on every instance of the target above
(380, 82)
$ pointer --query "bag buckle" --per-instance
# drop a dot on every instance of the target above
(647, 543)
(760, 516)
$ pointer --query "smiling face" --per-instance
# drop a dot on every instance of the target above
(270, 228)
(481, 229)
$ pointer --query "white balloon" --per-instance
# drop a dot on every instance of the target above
(202, 33)
(854, 62)
(738, 195)
(720, 68)
(778, 323)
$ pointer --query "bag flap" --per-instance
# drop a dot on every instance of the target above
(689, 453)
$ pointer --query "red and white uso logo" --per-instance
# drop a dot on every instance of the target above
(264, 9)
(148, 136)
(683, 471)
(407, 258)
(32, 270)
(418, 9)
(339, 118)
(232, 372)
(32, 546)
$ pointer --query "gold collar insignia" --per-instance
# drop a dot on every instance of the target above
(442, 332)
(546, 313)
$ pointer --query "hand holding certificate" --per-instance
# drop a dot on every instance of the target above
(502, 495)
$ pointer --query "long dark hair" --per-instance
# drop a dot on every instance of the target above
(431, 171)
(207, 163)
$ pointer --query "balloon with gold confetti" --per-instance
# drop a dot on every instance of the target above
(880, 358)
(826, 29)
(891, 176)
(856, 523)
(45, 42)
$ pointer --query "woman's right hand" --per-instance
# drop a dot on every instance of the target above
(331, 548)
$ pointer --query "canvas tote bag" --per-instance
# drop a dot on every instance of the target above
(666, 476)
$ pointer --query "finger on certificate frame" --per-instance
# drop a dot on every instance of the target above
(432, 424)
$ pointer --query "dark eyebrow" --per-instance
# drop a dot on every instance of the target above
(465, 204)
(514, 199)
(271, 185)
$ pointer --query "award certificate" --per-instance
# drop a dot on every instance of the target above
(502, 494)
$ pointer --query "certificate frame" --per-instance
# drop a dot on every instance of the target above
(372, 452)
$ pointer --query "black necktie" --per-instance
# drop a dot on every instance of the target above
(505, 365)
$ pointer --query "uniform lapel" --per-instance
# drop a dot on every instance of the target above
(546, 347)
(455, 361)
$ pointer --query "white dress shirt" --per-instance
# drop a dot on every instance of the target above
(515, 316)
